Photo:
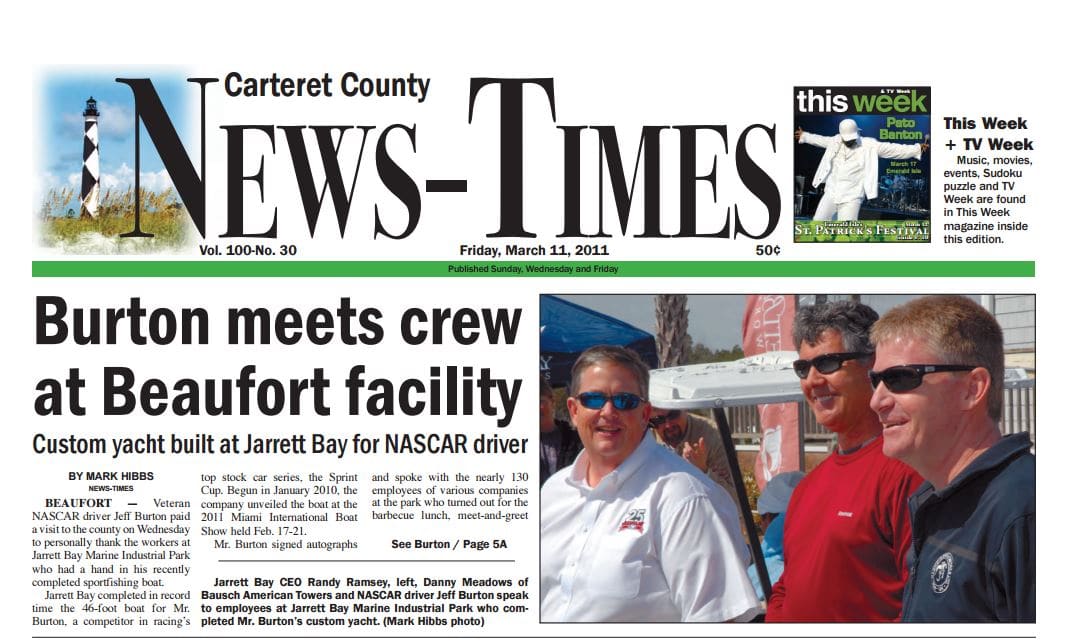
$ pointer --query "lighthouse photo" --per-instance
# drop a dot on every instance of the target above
(90, 169)
(87, 185)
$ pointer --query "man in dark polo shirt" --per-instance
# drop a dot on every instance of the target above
(938, 393)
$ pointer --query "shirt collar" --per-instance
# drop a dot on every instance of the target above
(1005, 449)
(578, 476)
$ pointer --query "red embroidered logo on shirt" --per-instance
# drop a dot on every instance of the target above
(633, 521)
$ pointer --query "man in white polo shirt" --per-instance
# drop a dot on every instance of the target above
(631, 532)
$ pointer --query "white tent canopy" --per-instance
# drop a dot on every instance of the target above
(760, 379)
(764, 378)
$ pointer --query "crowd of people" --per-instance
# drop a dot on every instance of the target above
(924, 511)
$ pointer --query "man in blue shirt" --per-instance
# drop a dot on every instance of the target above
(772, 505)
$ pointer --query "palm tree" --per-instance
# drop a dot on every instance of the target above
(671, 330)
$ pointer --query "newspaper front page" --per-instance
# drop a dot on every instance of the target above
(276, 293)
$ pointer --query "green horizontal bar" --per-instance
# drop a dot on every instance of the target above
(766, 268)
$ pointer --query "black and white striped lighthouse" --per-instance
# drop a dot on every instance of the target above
(90, 169)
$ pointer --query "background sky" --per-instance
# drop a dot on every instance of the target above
(713, 320)
(63, 99)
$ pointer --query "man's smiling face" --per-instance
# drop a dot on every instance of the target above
(840, 399)
(919, 425)
(609, 434)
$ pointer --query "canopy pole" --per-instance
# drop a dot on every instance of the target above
(745, 506)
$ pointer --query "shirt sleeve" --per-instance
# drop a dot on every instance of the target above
(701, 560)
(1014, 572)
(898, 151)
(815, 139)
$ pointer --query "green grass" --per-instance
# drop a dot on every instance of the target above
(162, 216)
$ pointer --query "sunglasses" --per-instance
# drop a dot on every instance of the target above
(827, 363)
(659, 420)
(598, 400)
(908, 377)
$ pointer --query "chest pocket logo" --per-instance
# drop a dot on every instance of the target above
(941, 570)
(633, 521)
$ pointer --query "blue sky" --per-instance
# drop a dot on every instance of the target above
(62, 127)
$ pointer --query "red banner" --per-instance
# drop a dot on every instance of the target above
(767, 327)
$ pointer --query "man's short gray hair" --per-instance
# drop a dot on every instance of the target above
(621, 356)
(851, 319)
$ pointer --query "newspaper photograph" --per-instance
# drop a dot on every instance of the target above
(291, 288)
